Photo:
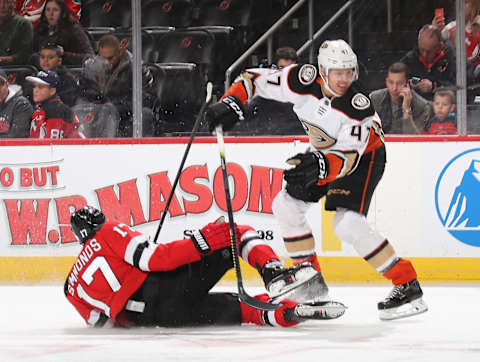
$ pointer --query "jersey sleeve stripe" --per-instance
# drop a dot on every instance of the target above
(146, 255)
(132, 247)
(137, 255)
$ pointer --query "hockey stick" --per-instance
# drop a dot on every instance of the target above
(185, 154)
(242, 294)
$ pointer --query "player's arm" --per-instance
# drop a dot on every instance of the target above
(139, 251)
(267, 83)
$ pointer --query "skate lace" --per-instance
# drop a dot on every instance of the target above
(397, 291)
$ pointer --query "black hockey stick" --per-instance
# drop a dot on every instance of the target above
(242, 294)
(185, 154)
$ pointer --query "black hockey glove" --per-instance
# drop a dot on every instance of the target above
(309, 168)
(227, 112)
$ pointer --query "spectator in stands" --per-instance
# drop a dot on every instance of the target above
(51, 118)
(50, 58)
(57, 26)
(118, 88)
(16, 35)
(443, 121)
(15, 110)
(432, 61)
(472, 8)
(98, 117)
(285, 56)
(32, 10)
(401, 109)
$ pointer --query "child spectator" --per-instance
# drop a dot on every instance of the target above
(50, 58)
(51, 118)
(57, 26)
(443, 120)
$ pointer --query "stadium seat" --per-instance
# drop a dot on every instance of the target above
(176, 106)
(17, 75)
(106, 13)
(176, 13)
(187, 46)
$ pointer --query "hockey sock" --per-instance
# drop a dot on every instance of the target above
(402, 272)
(310, 259)
(272, 318)
(254, 250)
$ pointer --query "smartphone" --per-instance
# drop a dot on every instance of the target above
(439, 13)
(415, 80)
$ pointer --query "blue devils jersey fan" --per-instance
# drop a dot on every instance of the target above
(344, 163)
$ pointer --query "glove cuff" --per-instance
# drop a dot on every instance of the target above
(322, 165)
(200, 242)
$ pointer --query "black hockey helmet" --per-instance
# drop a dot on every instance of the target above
(86, 222)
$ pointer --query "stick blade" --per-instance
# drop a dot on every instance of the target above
(257, 304)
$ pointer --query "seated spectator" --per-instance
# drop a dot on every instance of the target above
(15, 110)
(32, 10)
(401, 109)
(57, 26)
(16, 35)
(432, 61)
(285, 56)
(51, 118)
(98, 117)
(443, 120)
(50, 58)
(118, 88)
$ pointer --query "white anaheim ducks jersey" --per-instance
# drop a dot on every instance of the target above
(343, 128)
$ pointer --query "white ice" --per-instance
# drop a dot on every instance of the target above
(37, 324)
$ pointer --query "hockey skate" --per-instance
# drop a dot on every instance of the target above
(301, 283)
(318, 310)
(403, 301)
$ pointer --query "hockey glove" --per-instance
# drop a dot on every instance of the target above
(227, 112)
(309, 168)
(212, 237)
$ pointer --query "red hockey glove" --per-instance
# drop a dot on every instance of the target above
(213, 237)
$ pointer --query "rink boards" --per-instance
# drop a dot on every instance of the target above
(427, 204)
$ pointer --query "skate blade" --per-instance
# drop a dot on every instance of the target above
(313, 290)
(320, 311)
(417, 306)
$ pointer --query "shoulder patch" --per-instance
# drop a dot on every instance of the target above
(360, 101)
(307, 74)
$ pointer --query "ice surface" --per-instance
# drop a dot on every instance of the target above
(38, 324)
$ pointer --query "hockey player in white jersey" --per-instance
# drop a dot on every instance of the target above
(344, 164)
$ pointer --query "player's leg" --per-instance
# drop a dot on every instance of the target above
(351, 226)
(301, 282)
(290, 207)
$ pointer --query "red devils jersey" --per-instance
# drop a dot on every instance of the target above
(54, 119)
(35, 7)
(114, 264)
(343, 128)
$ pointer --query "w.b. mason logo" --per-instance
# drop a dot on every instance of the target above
(457, 197)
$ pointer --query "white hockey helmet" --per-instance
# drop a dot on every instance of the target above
(336, 54)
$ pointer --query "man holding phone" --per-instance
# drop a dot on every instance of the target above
(401, 109)
(432, 61)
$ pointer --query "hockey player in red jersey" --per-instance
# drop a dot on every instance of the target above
(121, 278)
(344, 163)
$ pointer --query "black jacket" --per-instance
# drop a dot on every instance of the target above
(442, 73)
